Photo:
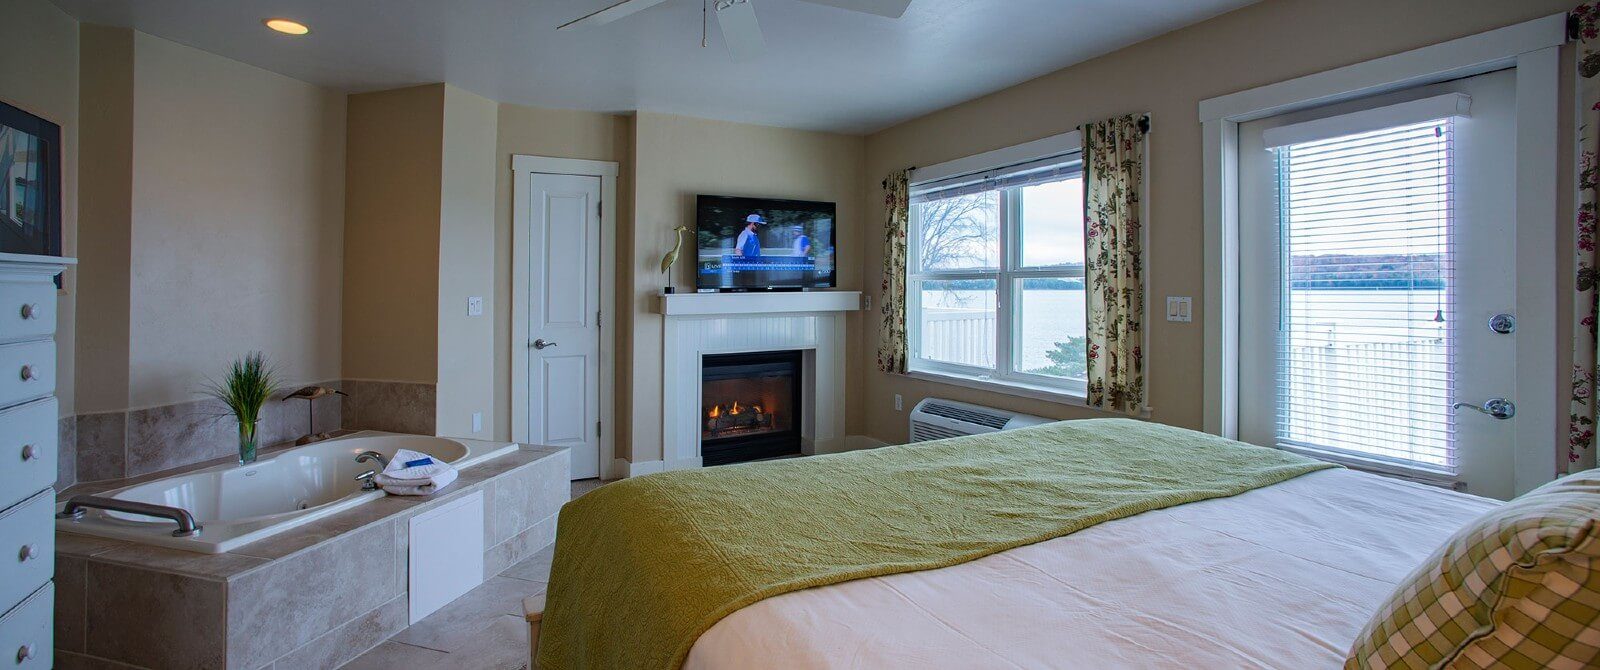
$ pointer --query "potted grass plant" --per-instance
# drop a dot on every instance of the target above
(250, 382)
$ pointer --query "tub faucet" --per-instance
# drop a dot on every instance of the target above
(372, 456)
(366, 480)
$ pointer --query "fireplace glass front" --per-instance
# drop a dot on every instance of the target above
(749, 406)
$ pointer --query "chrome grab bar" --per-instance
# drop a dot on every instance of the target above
(187, 527)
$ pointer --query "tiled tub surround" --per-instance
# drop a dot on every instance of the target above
(113, 445)
(315, 596)
(241, 504)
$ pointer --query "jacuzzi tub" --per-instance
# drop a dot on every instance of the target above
(239, 504)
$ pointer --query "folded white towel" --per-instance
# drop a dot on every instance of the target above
(400, 479)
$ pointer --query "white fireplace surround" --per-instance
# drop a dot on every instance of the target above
(701, 324)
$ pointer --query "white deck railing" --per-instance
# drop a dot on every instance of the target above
(964, 336)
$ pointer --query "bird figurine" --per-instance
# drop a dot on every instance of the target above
(668, 260)
(311, 394)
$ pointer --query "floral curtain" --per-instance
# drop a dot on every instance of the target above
(892, 301)
(1113, 175)
(1580, 442)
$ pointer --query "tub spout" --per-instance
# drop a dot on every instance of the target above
(372, 456)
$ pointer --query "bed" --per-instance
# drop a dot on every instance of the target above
(1280, 577)
(1280, 570)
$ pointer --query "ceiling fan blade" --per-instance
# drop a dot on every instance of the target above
(740, 29)
(612, 13)
(893, 9)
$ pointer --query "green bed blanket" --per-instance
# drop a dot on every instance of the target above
(643, 566)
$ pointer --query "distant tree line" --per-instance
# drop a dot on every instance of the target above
(1359, 271)
(1034, 283)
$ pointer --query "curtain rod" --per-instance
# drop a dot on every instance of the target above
(1143, 124)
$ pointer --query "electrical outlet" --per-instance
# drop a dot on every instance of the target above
(477, 422)
(475, 306)
(868, 299)
(899, 403)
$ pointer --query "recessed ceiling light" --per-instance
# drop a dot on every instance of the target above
(287, 27)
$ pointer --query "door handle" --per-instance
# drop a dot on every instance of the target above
(1499, 408)
(542, 343)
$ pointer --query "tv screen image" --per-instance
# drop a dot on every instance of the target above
(758, 244)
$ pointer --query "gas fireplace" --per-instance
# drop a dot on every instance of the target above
(749, 406)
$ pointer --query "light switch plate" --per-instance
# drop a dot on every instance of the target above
(477, 422)
(475, 306)
(1180, 308)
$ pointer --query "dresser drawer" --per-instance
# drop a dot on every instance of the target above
(27, 548)
(28, 450)
(27, 634)
(27, 308)
(27, 371)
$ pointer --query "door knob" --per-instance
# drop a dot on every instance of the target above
(28, 374)
(1499, 408)
(542, 343)
(1503, 324)
(29, 311)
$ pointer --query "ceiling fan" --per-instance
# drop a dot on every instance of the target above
(737, 18)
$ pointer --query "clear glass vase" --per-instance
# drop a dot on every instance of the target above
(248, 432)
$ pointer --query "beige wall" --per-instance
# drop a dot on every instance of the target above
(237, 221)
(39, 74)
(466, 264)
(676, 158)
(393, 174)
(106, 204)
(555, 133)
(1166, 76)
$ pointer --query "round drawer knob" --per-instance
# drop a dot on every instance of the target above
(30, 311)
(28, 374)
(24, 653)
(27, 553)
(29, 452)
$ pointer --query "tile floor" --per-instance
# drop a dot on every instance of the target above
(482, 630)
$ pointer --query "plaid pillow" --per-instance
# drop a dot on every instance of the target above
(1517, 588)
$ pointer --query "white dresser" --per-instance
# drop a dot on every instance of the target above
(28, 454)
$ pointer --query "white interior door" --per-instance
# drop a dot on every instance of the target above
(563, 329)
(1377, 241)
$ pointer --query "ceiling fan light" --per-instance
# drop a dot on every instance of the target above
(287, 26)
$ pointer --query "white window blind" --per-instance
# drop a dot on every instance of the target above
(1364, 361)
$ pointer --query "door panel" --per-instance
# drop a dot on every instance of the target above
(1481, 249)
(564, 413)
(563, 333)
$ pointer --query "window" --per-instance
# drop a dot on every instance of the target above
(996, 280)
(1364, 355)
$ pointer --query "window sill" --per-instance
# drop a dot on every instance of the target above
(1020, 389)
(1419, 474)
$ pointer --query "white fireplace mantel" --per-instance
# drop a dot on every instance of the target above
(701, 324)
(702, 304)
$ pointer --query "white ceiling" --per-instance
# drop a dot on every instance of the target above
(824, 69)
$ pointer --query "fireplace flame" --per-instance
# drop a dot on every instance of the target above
(735, 411)
(716, 411)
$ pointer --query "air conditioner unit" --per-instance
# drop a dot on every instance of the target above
(936, 419)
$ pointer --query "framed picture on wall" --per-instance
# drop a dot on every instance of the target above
(30, 193)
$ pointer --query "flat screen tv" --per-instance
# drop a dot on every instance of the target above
(759, 244)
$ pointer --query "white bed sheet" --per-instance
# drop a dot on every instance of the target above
(1280, 577)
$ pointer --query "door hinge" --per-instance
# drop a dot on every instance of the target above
(597, 429)
(600, 209)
